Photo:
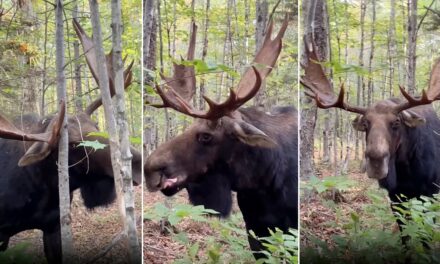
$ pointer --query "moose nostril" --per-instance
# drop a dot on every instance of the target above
(377, 158)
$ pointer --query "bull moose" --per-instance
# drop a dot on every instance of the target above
(402, 141)
(29, 180)
(230, 148)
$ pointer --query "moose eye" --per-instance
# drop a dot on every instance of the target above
(204, 138)
(365, 124)
(395, 124)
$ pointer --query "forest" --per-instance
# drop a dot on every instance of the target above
(175, 231)
(30, 62)
(370, 47)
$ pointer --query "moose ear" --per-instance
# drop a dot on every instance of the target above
(252, 136)
(358, 124)
(412, 119)
(37, 152)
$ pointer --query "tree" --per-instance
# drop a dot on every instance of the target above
(412, 45)
(119, 166)
(314, 30)
(63, 148)
(124, 141)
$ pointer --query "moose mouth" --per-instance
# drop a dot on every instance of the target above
(170, 185)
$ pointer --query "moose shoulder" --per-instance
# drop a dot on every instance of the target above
(230, 148)
(29, 180)
(402, 142)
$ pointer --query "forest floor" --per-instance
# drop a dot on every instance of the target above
(330, 213)
(93, 231)
(161, 247)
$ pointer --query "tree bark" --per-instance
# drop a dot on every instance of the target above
(262, 11)
(412, 45)
(149, 53)
(360, 78)
(78, 83)
(370, 83)
(204, 53)
(63, 149)
(111, 126)
(126, 180)
(314, 28)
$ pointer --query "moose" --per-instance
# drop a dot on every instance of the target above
(402, 144)
(29, 196)
(230, 148)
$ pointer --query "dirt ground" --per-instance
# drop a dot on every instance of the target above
(92, 232)
(161, 248)
(322, 221)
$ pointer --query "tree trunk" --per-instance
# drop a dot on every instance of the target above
(126, 185)
(115, 152)
(412, 45)
(63, 148)
(204, 53)
(314, 28)
(262, 11)
(360, 78)
(370, 83)
(392, 48)
(149, 53)
(78, 84)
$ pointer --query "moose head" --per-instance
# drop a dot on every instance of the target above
(383, 122)
(41, 136)
(218, 134)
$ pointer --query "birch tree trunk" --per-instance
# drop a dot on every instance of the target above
(124, 138)
(63, 148)
(115, 150)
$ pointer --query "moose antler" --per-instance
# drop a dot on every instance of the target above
(319, 86)
(173, 97)
(89, 50)
(427, 97)
(9, 131)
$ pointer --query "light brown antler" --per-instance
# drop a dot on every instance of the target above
(9, 131)
(246, 89)
(89, 50)
(182, 85)
(427, 97)
(319, 86)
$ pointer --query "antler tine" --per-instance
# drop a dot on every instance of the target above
(319, 86)
(9, 131)
(265, 59)
(173, 100)
(183, 81)
(427, 97)
(178, 93)
(89, 50)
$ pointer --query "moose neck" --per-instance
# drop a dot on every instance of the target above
(253, 167)
(419, 146)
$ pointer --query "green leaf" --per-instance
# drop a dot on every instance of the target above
(96, 145)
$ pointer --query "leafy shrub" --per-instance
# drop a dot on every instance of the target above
(229, 244)
(366, 242)
(17, 255)
(280, 247)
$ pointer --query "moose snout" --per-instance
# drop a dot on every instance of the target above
(377, 164)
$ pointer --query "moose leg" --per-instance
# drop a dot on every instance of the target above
(52, 245)
(254, 214)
